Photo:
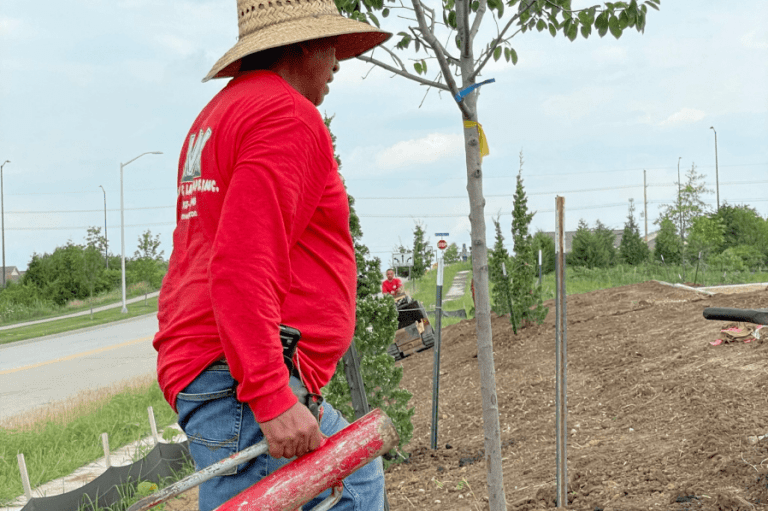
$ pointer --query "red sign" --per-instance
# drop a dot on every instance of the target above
(442, 244)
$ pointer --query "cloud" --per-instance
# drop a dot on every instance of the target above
(753, 41)
(12, 28)
(177, 45)
(683, 116)
(577, 104)
(431, 148)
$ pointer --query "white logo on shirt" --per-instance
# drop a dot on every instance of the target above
(194, 153)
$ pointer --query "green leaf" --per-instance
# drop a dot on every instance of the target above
(573, 31)
(602, 20)
(541, 25)
(452, 19)
(602, 31)
(513, 56)
(424, 65)
(586, 30)
(496, 53)
(584, 17)
(613, 26)
(417, 67)
(417, 44)
(385, 12)
(475, 6)
(375, 20)
(652, 5)
(506, 54)
(500, 9)
(623, 20)
(552, 29)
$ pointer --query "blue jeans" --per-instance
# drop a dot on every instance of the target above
(218, 425)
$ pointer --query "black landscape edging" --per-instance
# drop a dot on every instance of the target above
(159, 463)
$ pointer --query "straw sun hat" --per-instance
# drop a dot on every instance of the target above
(265, 24)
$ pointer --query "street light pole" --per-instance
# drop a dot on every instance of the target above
(122, 225)
(717, 177)
(2, 216)
(106, 242)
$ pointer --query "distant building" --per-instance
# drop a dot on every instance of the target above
(618, 233)
(12, 274)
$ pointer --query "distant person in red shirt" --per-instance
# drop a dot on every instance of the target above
(391, 286)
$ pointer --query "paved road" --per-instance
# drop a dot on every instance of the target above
(39, 371)
(81, 313)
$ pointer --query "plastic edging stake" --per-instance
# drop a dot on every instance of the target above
(105, 445)
(24, 476)
(152, 424)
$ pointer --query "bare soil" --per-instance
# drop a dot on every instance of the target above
(658, 417)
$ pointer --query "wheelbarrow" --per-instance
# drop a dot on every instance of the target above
(298, 482)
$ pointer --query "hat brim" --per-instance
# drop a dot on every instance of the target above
(353, 38)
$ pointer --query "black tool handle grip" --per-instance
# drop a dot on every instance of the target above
(759, 317)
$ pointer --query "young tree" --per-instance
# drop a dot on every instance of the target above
(459, 22)
(689, 203)
(375, 329)
(422, 252)
(667, 243)
(633, 249)
(706, 237)
(498, 260)
(606, 247)
(147, 259)
(96, 240)
(451, 254)
(545, 243)
(526, 296)
(583, 247)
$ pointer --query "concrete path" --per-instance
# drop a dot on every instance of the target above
(81, 313)
(458, 286)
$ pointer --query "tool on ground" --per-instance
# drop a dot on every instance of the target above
(758, 316)
(305, 477)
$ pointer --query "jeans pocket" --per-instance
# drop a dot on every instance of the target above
(211, 421)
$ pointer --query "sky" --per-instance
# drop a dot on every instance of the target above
(88, 85)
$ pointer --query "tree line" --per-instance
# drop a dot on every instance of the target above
(76, 271)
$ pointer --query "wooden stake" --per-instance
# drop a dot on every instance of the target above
(105, 445)
(24, 476)
(153, 425)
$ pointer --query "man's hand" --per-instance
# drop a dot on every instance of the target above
(292, 433)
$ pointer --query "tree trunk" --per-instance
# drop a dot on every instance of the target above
(491, 427)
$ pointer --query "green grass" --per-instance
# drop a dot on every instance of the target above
(583, 280)
(426, 291)
(65, 325)
(45, 311)
(131, 494)
(68, 437)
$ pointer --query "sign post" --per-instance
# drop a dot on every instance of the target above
(436, 363)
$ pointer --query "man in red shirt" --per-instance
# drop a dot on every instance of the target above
(391, 286)
(262, 239)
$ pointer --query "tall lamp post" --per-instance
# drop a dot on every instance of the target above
(717, 177)
(2, 216)
(106, 242)
(122, 224)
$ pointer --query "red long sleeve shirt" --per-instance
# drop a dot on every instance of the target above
(262, 238)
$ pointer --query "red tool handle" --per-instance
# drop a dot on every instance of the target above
(303, 479)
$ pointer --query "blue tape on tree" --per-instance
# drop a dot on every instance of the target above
(464, 92)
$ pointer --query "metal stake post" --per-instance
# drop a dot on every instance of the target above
(539, 267)
(436, 363)
(561, 358)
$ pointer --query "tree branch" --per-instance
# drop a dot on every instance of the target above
(497, 41)
(440, 53)
(478, 19)
(394, 57)
(406, 74)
